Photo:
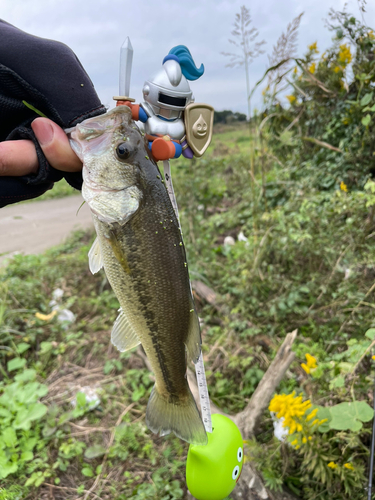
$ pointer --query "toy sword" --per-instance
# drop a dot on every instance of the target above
(126, 61)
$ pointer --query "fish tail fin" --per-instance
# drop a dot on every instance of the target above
(181, 417)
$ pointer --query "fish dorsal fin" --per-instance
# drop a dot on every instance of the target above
(123, 336)
(194, 340)
(95, 257)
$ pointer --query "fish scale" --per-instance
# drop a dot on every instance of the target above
(156, 328)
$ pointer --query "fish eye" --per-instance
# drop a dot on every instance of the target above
(235, 473)
(123, 151)
(239, 454)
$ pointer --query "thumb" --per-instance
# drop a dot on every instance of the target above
(55, 145)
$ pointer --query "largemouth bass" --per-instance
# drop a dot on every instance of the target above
(139, 245)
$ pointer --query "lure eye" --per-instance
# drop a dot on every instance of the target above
(235, 473)
(239, 454)
(123, 151)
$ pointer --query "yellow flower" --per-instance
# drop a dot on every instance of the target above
(373, 357)
(371, 35)
(295, 70)
(312, 68)
(313, 47)
(345, 55)
(292, 408)
(332, 465)
(293, 443)
(304, 440)
(46, 317)
(343, 187)
(312, 415)
(310, 363)
(349, 466)
(337, 69)
(291, 98)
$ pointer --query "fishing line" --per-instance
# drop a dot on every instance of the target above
(199, 365)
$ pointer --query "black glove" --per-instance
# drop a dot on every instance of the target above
(48, 76)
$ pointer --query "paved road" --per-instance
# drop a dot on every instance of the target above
(33, 227)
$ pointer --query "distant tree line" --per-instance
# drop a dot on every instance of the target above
(228, 116)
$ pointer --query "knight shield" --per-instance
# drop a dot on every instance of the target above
(199, 121)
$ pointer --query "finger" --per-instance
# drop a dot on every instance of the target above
(55, 145)
(18, 158)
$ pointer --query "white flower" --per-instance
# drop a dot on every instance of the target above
(242, 237)
(92, 398)
(64, 315)
(229, 241)
(279, 431)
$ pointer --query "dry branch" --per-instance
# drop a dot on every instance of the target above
(205, 292)
(313, 78)
(321, 143)
(296, 119)
(248, 419)
(51, 486)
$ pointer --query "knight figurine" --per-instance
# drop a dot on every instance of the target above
(173, 124)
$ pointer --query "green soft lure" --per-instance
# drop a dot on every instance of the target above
(213, 470)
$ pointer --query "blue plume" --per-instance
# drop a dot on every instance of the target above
(188, 67)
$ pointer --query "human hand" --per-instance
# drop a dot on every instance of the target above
(19, 157)
(42, 77)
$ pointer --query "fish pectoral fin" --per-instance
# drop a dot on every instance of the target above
(95, 257)
(123, 335)
(194, 341)
(181, 417)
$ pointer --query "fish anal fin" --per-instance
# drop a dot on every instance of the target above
(180, 417)
(95, 257)
(123, 335)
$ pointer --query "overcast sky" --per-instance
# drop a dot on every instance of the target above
(96, 29)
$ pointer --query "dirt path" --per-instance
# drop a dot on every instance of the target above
(33, 227)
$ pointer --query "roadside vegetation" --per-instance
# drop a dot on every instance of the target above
(281, 227)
